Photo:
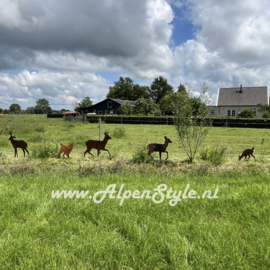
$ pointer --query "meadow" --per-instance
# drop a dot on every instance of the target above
(39, 232)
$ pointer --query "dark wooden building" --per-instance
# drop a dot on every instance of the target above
(107, 106)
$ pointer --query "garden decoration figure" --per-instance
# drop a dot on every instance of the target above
(155, 147)
(99, 145)
(18, 144)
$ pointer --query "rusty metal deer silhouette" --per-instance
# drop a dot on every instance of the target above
(66, 150)
(99, 145)
(155, 147)
(247, 152)
(18, 144)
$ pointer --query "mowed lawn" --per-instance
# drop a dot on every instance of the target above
(39, 232)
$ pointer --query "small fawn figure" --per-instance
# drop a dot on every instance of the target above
(155, 147)
(99, 145)
(18, 144)
(247, 152)
(66, 150)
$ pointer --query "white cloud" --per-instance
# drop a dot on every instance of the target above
(62, 90)
(74, 40)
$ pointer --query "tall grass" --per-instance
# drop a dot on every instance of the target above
(38, 232)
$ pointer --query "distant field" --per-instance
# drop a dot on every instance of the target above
(38, 232)
(37, 130)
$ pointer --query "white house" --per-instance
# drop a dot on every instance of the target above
(231, 101)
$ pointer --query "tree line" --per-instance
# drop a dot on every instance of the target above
(157, 99)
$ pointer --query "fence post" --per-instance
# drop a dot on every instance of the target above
(99, 128)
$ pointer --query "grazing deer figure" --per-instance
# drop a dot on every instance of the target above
(247, 152)
(155, 147)
(66, 150)
(99, 145)
(18, 144)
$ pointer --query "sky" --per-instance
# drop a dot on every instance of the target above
(66, 50)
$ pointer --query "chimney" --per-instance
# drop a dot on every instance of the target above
(241, 89)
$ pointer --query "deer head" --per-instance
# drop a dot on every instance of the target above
(167, 139)
(71, 146)
(11, 137)
(106, 133)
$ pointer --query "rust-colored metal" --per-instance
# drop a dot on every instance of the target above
(247, 152)
(66, 150)
(18, 144)
(161, 148)
(99, 145)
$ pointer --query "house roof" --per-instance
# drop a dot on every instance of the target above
(119, 101)
(250, 96)
(70, 112)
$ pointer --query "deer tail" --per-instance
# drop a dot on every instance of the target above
(252, 148)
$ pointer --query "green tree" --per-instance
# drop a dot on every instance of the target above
(122, 89)
(247, 113)
(145, 106)
(169, 102)
(140, 91)
(30, 110)
(159, 88)
(126, 89)
(86, 102)
(126, 108)
(15, 108)
(191, 130)
(43, 106)
(1, 110)
(182, 88)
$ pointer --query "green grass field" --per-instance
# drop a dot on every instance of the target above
(39, 232)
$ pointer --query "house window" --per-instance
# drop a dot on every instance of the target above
(100, 112)
(231, 113)
(212, 112)
(94, 111)
(255, 110)
(109, 104)
(106, 111)
(111, 111)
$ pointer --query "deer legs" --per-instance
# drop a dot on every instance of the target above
(98, 152)
(249, 157)
(167, 155)
(88, 151)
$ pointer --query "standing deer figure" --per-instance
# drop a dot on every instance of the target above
(99, 145)
(66, 150)
(155, 147)
(18, 144)
(247, 152)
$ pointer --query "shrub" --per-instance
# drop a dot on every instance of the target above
(119, 132)
(266, 114)
(141, 155)
(248, 113)
(48, 151)
(216, 156)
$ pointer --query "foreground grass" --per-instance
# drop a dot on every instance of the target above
(38, 232)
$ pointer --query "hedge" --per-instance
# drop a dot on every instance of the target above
(168, 120)
(55, 115)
